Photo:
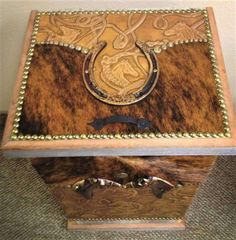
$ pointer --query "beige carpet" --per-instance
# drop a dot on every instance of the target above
(28, 211)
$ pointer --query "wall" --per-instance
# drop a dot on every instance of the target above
(14, 16)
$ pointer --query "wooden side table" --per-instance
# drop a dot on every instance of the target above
(122, 113)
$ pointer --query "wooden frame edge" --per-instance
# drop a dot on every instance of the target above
(222, 71)
(17, 84)
(178, 224)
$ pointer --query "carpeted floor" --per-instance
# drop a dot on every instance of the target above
(28, 210)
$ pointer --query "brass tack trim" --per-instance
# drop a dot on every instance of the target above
(128, 11)
(81, 49)
(215, 69)
(159, 49)
(16, 135)
(126, 219)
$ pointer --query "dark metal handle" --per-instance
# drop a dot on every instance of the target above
(141, 123)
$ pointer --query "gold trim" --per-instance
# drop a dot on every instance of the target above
(220, 93)
(78, 48)
(215, 69)
(127, 220)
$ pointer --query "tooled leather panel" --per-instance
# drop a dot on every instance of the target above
(121, 67)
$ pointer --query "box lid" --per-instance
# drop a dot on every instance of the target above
(121, 83)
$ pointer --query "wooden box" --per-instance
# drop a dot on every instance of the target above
(122, 113)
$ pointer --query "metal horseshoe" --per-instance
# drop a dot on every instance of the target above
(90, 82)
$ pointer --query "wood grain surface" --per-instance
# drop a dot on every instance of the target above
(111, 202)
(116, 202)
(178, 224)
(184, 99)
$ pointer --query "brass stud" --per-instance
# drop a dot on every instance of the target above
(194, 135)
(226, 124)
(21, 93)
(27, 137)
(158, 135)
(207, 135)
(151, 135)
(15, 125)
(131, 135)
(19, 102)
(83, 136)
(55, 137)
(35, 137)
(172, 135)
(138, 135)
(166, 135)
(90, 136)
(227, 134)
(21, 137)
(13, 137)
(145, 135)
(214, 135)
(125, 136)
(25, 76)
(76, 136)
(62, 137)
(157, 49)
(71, 46)
(164, 47)
(108, 136)
(170, 44)
(222, 105)
(30, 54)
(15, 131)
(104, 136)
(17, 119)
(78, 48)
(220, 135)
(84, 50)
(23, 86)
(98, 136)
(118, 136)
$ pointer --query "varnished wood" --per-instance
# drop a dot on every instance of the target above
(158, 225)
(223, 75)
(13, 103)
(112, 203)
